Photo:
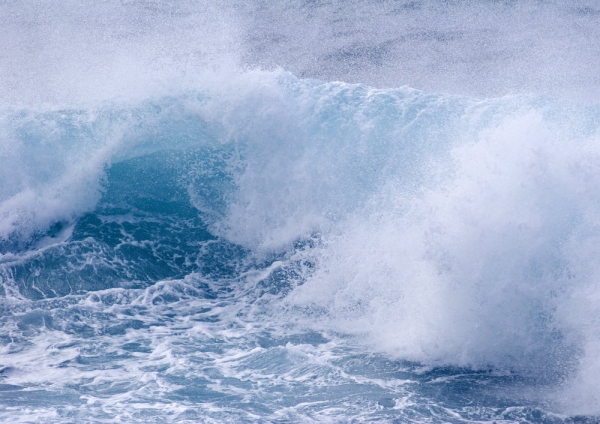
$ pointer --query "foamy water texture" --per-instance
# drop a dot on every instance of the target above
(299, 212)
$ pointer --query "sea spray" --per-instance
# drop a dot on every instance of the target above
(394, 220)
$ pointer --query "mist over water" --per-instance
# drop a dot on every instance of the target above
(75, 52)
(299, 211)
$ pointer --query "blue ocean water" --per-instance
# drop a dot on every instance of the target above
(299, 212)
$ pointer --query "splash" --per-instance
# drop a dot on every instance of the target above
(273, 244)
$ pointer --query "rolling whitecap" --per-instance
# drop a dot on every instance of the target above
(270, 245)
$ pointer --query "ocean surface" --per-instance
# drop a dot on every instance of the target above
(300, 211)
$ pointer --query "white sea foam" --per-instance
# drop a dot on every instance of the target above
(451, 231)
(493, 265)
(435, 227)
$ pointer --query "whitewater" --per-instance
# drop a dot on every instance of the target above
(300, 211)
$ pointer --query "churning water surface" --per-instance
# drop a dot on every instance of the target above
(300, 211)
